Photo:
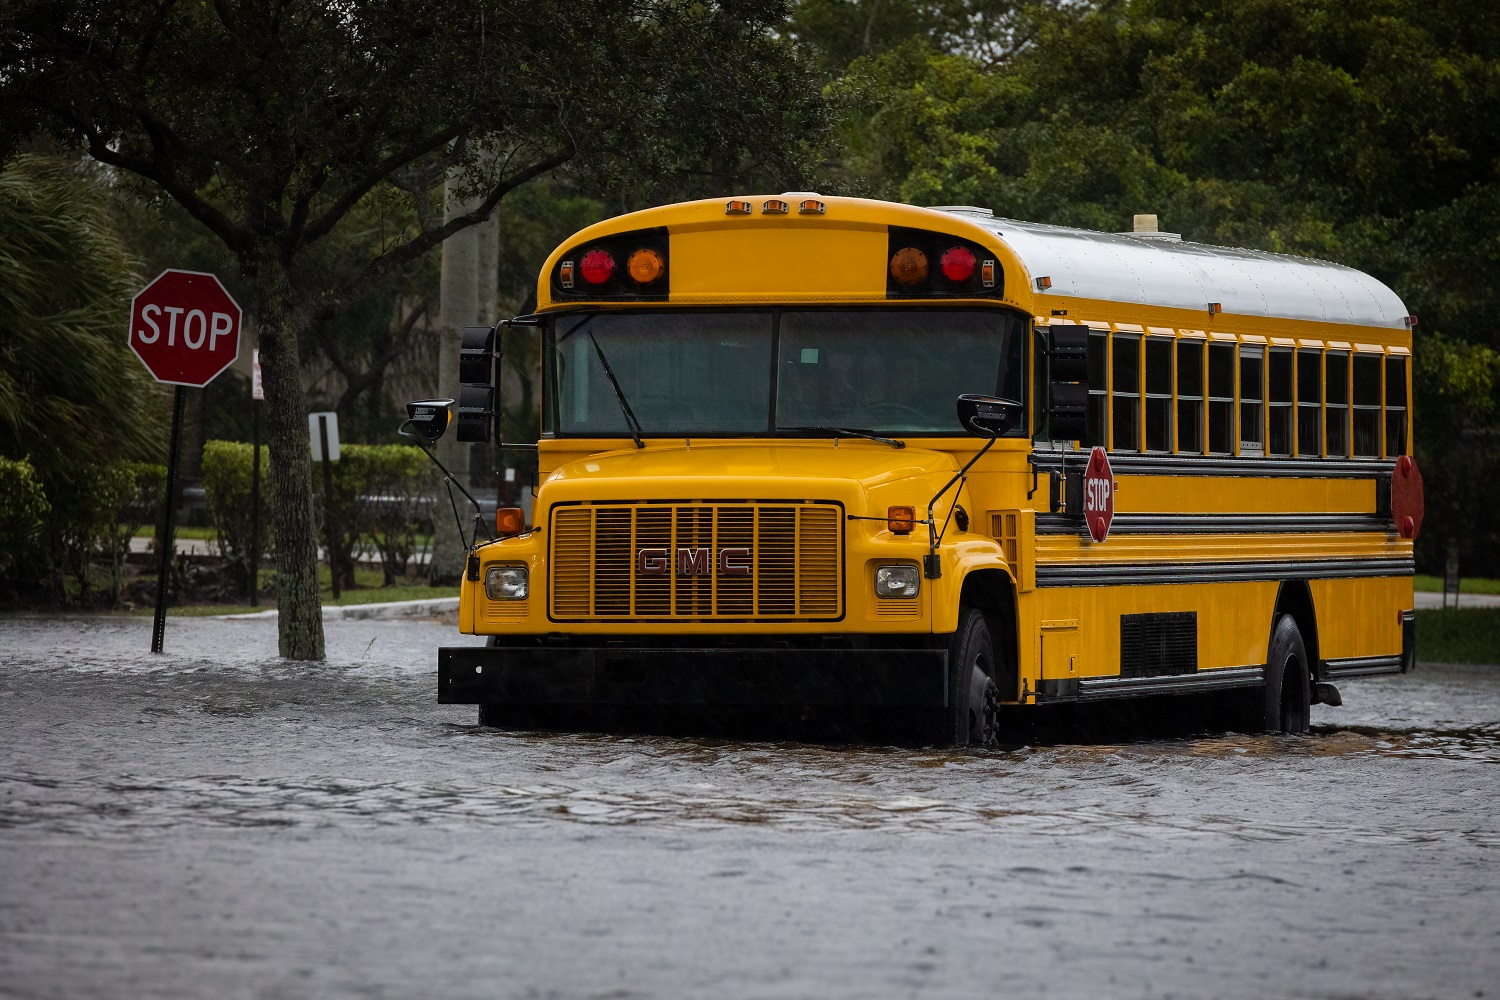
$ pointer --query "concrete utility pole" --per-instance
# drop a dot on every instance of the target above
(467, 297)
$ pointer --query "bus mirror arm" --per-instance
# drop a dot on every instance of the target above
(421, 436)
(987, 416)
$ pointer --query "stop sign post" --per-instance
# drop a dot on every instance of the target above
(185, 328)
(1098, 495)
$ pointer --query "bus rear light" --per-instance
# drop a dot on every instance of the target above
(909, 266)
(645, 266)
(565, 273)
(958, 264)
(811, 206)
(597, 267)
(900, 520)
(774, 206)
(509, 521)
(738, 208)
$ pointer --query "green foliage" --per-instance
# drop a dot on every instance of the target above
(23, 507)
(94, 512)
(382, 497)
(228, 487)
(1360, 133)
(71, 392)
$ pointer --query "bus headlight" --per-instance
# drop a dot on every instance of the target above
(506, 583)
(898, 580)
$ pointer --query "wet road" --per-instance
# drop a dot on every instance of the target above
(214, 823)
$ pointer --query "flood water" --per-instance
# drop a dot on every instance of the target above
(216, 823)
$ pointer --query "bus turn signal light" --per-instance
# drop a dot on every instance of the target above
(596, 267)
(509, 520)
(645, 266)
(900, 520)
(909, 266)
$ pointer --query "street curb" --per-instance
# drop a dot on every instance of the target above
(423, 608)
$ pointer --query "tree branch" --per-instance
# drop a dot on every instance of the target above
(324, 224)
(425, 241)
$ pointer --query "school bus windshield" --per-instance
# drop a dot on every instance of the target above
(779, 371)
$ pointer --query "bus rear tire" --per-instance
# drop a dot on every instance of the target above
(1287, 704)
(972, 715)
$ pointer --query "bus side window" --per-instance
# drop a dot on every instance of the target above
(1125, 385)
(1221, 398)
(1190, 396)
(1279, 400)
(1158, 394)
(1336, 410)
(1309, 404)
(1252, 392)
(1367, 405)
(1098, 415)
(1395, 406)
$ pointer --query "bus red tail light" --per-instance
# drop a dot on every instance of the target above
(596, 267)
(909, 266)
(958, 264)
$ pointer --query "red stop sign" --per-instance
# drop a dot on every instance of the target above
(1098, 495)
(185, 328)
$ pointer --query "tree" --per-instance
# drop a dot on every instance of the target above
(1357, 132)
(269, 122)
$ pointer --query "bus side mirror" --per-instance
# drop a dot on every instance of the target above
(987, 416)
(428, 418)
(1067, 382)
(476, 391)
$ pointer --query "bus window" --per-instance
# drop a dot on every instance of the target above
(1190, 396)
(1395, 406)
(1252, 392)
(1336, 410)
(1039, 398)
(1309, 404)
(1279, 400)
(1367, 405)
(1221, 398)
(1098, 415)
(1125, 384)
(1158, 394)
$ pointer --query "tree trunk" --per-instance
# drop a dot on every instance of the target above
(458, 307)
(300, 621)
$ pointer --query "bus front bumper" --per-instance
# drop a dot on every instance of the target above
(602, 675)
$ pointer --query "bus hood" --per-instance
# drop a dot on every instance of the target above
(801, 470)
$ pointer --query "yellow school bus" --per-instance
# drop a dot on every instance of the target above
(816, 451)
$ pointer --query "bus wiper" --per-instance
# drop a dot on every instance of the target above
(849, 432)
(630, 421)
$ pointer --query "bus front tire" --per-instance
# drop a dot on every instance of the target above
(1287, 704)
(972, 715)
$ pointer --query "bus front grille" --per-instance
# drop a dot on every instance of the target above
(714, 562)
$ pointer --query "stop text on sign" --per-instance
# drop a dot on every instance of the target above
(1096, 498)
(209, 327)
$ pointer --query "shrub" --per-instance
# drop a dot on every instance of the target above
(23, 507)
(228, 480)
(382, 496)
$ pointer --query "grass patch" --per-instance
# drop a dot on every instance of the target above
(1466, 585)
(201, 534)
(1459, 635)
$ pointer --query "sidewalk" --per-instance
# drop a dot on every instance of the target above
(430, 607)
(1428, 599)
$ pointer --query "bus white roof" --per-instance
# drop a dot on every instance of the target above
(1157, 270)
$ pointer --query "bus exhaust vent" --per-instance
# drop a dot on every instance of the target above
(1159, 645)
